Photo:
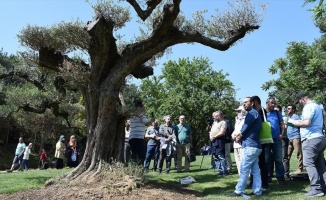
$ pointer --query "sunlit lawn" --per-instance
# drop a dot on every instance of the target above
(17, 181)
(210, 185)
(214, 187)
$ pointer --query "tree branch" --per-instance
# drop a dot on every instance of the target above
(25, 76)
(54, 106)
(144, 14)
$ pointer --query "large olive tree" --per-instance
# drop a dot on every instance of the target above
(111, 59)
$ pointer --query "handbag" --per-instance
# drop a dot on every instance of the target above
(191, 156)
(265, 134)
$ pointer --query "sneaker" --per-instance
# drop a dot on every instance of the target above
(9, 170)
(314, 193)
(252, 193)
(287, 177)
(167, 171)
(234, 194)
(178, 171)
(159, 171)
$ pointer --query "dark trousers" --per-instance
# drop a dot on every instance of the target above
(163, 156)
(263, 168)
(153, 151)
(138, 150)
(58, 163)
(285, 156)
(127, 152)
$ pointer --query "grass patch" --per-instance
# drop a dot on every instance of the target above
(214, 187)
(18, 181)
(207, 182)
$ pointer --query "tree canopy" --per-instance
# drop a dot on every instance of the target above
(191, 88)
(302, 69)
(107, 59)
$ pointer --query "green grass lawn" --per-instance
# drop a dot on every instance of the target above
(17, 181)
(214, 187)
(210, 185)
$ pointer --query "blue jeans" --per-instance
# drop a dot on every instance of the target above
(220, 163)
(276, 148)
(314, 161)
(249, 163)
(153, 151)
(26, 164)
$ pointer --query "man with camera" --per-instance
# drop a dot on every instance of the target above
(217, 137)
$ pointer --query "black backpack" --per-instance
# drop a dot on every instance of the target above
(229, 130)
(45, 166)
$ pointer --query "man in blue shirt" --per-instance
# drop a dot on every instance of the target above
(276, 120)
(313, 144)
(251, 148)
(293, 133)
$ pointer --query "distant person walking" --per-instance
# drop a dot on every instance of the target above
(18, 159)
(27, 152)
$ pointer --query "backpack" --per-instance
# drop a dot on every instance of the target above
(45, 166)
(299, 177)
(229, 130)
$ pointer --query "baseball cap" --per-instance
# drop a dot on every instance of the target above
(240, 108)
(299, 96)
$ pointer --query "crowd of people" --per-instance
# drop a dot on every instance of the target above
(257, 158)
(165, 141)
(22, 153)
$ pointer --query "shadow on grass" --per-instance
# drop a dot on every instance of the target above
(38, 179)
(173, 186)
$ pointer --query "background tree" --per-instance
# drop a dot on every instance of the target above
(111, 59)
(303, 69)
(191, 88)
(31, 103)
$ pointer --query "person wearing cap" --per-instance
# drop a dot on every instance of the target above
(60, 149)
(237, 148)
(313, 143)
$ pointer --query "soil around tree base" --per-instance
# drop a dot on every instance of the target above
(97, 190)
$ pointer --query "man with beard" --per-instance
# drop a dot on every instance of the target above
(251, 148)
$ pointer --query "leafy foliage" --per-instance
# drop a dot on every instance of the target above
(191, 88)
(303, 69)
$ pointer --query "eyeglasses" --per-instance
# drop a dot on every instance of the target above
(288, 108)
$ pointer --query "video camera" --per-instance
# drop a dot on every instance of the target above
(209, 121)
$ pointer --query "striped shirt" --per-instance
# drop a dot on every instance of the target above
(137, 127)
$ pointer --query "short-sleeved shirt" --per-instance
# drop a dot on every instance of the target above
(183, 133)
(293, 131)
(312, 111)
(20, 148)
(275, 118)
(153, 131)
(217, 126)
(26, 153)
(137, 127)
